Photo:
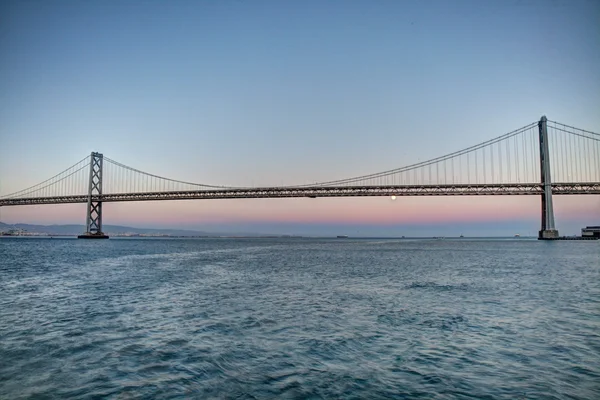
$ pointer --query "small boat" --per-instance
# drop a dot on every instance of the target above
(517, 235)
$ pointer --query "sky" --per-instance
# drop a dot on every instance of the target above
(254, 93)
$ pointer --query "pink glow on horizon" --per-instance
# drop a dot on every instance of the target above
(377, 211)
(363, 211)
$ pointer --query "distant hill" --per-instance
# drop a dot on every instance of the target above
(112, 230)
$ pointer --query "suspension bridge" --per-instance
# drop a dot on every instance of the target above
(516, 163)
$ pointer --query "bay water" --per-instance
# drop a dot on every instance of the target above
(259, 318)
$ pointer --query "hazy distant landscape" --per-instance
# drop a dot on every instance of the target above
(114, 230)
(125, 231)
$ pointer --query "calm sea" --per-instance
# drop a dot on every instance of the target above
(299, 318)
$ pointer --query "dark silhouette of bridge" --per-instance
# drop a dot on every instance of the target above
(517, 163)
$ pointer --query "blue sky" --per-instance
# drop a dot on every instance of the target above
(269, 92)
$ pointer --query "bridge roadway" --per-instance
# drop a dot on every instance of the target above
(512, 189)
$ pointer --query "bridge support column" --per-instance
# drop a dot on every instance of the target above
(548, 230)
(93, 224)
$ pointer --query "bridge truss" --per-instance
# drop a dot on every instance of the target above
(515, 189)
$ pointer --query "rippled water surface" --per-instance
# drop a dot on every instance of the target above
(299, 318)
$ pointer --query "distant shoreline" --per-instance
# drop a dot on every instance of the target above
(280, 237)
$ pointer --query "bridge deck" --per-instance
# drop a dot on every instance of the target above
(514, 189)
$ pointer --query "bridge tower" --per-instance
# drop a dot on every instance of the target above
(548, 230)
(93, 223)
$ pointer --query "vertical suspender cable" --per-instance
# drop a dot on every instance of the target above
(509, 169)
(476, 168)
(581, 157)
(501, 179)
(597, 158)
(562, 158)
(525, 153)
(572, 167)
(588, 159)
(484, 163)
(534, 159)
(517, 161)
(429, 166)
(558, 157)
(468, 169)
(492, 162)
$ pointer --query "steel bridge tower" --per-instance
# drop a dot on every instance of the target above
(93, 223)
(548, 230)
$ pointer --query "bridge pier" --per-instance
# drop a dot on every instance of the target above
(93, 224)
(548, 230)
